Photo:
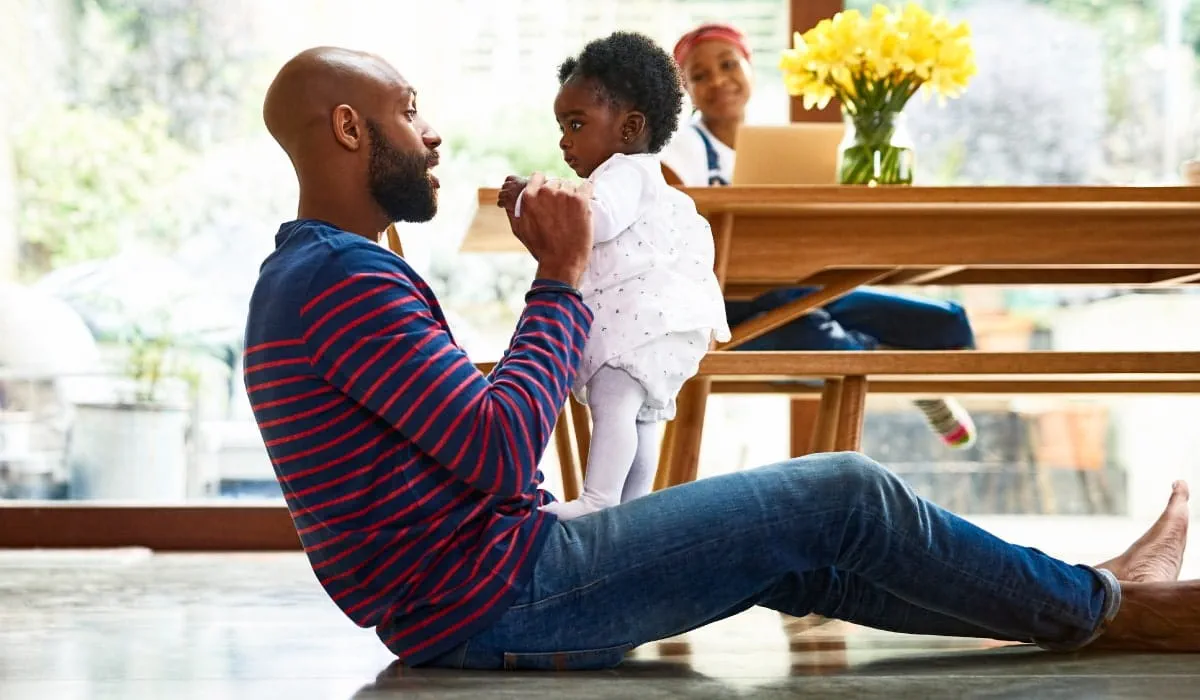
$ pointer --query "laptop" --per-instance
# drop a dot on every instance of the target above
(803, 153)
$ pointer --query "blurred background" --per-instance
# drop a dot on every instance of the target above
(139, 193)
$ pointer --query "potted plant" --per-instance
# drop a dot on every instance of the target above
(133, 445)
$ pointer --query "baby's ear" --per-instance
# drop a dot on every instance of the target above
(633, 127)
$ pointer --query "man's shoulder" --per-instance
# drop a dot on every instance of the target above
(322, 245)
(317, 260)
(328, 255)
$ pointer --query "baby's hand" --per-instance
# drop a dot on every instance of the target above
(510, 191)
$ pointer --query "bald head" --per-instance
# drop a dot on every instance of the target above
(314, 83)
(348, 121)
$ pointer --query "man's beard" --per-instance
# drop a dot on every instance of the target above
(400, 182)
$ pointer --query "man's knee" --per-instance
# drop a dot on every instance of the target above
(839, 474)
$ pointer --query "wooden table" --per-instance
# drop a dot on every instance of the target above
(840, 238)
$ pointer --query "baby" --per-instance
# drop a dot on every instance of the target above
(650, 281)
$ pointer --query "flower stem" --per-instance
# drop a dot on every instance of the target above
(872, 158)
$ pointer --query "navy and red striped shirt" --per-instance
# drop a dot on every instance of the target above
(411, 477)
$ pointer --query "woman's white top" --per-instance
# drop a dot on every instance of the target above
(686, 156)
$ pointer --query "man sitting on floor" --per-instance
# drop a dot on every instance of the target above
(412, 478)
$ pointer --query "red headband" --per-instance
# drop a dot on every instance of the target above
(708, 32)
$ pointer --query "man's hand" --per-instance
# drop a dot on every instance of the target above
(556, 227)
(510, 192)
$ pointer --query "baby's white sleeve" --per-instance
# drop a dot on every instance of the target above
(616, 198)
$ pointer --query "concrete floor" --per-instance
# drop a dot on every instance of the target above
(130, 625)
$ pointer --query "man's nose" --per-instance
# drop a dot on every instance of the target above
(430, 137)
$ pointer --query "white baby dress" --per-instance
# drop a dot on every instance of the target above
(649, 283)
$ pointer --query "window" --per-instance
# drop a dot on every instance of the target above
(1068, 92)
(139, 193)
(144, 192)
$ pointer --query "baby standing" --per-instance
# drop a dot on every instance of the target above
(650, 281)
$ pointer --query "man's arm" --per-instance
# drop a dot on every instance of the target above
(370, 334)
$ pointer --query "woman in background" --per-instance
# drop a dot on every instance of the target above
(714, 61)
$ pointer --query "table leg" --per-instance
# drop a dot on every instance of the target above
(827, 417)
(662, 478)
(567, 465)
(581, 421)
(850, 414)
(393, 238)
(803, 414)
(684, 464)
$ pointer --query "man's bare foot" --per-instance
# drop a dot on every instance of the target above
(1158, 554)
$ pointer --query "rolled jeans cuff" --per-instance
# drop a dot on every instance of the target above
(1112, 603)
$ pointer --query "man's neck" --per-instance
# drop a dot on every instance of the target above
(361, 220)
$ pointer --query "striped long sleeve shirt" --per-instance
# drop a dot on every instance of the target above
(411, 478)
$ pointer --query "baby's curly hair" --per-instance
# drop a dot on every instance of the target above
(634, 73)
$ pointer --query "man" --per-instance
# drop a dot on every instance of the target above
(412, 481)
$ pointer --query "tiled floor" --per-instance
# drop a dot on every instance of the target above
(131, 625)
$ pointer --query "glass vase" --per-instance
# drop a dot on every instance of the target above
(877, 150)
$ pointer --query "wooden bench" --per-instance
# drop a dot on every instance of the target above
(848, 376)
(843, 380)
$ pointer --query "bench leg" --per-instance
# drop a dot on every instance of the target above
(851, 410)
(803, 416)
(566, 457)
(825, 436)
(581, 421)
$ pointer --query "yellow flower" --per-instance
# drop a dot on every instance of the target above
(877, 62)
(879, 43)
(955, 65)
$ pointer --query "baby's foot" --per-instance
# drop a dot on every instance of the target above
(569, 510)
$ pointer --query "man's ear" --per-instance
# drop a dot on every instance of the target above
(348, 128)
(633, 126)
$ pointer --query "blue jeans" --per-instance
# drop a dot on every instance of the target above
(834, 534)
(862, 320)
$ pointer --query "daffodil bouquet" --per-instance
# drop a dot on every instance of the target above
(874, 65)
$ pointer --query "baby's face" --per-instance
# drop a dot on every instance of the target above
(590, 125)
